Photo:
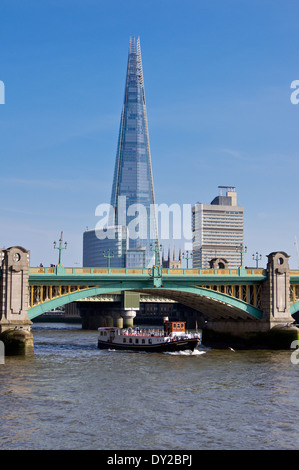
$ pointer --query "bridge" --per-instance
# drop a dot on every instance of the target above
(238, 304)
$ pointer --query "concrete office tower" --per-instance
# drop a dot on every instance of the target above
(133, 190)
(218, 230)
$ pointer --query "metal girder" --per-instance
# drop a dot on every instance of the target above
(212, 303)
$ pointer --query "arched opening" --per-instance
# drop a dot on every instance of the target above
(214, 304)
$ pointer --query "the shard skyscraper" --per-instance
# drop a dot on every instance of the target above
(132, 191)
(132, 226)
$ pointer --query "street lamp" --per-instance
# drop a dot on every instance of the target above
(108, 255)
(257, 258)
(242, 249)
(60, 248)
(156, 269)
(187, 257)
(156, 249)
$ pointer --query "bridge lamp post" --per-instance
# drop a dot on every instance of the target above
(242, 249)
(257, 258)
(156, 249)
(60, 248)
(187, 257)
(156, 269)
(108, 256)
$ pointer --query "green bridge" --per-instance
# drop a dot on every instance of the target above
(222, 293)
(240, 305)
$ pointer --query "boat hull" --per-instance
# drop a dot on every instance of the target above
(172, 346)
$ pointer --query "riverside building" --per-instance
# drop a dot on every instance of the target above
(218, 230)
(101, 251)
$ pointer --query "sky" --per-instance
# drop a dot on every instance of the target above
(217, 76)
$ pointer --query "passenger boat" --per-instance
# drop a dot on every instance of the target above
(173, 337)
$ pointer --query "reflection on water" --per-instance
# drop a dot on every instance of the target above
(71, 395)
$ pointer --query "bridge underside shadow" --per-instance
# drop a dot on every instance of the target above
(211, 305)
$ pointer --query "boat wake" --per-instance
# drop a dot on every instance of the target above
(188, 352)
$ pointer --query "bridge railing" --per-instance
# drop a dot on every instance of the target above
(146, 271)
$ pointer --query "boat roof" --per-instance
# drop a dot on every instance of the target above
(175, 321)
(107, 328)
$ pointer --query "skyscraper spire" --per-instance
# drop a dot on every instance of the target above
(133, 171)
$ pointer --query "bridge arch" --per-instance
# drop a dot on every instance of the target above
(211, 303)
(294, 308)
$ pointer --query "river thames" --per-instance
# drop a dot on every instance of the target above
(71, 395)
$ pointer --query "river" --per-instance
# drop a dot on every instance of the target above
(71, 395)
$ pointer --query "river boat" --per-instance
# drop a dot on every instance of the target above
(172, 338)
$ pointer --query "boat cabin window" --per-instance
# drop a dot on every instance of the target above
(171, 327)
(149, 341)
(124, 340)
(130, 340)
(178, 326)
(136, 340)
(143, 341)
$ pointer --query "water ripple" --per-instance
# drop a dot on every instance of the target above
(70, 395)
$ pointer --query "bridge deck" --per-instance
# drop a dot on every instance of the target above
(147, 271)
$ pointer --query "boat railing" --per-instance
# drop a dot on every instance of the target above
(143, 332)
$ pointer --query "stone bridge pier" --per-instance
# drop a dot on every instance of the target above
(275, 329)
(15, 324)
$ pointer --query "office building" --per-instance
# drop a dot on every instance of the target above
(132, 197)
(218, 230)
(133, 181)
(136, 258)
(102, 251)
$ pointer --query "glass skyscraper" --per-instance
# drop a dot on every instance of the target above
(133, 218)
(132, 192)
(97, 248)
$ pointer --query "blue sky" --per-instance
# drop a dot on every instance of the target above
(217, 79)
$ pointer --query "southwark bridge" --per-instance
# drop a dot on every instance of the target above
(242, 307)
